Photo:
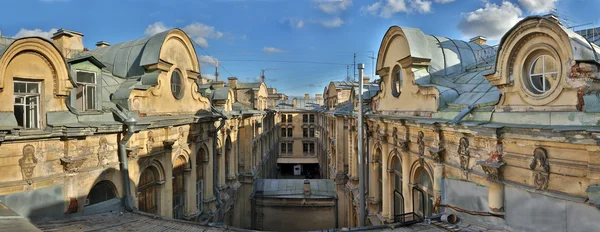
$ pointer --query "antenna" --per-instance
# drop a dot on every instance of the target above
(217, 72)
(262, 73)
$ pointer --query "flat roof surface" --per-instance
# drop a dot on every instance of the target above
(11, 221)
(293, 188)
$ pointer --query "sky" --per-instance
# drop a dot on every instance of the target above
(301, 44)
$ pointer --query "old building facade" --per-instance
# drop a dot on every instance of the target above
(131, 124)
(503, 136)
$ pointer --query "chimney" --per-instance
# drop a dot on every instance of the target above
(306, 96)
(306, 187)
(294, 102)
(218, 84)
(68, 42)
(232, 81)
(101, 44)
(366, 80)
(481, 40)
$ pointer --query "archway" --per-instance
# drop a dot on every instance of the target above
(178, 187)
(102, 191)
(422, 192)
(148, 191)
(396, 184)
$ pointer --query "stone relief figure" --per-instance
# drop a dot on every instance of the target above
(28, 163)
(541, 168)
(181, 138)
(421, 143)
(103, 152)
(149, 142)
(463, 152)
(395, 135)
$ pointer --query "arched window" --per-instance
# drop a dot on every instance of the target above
(102, 191)
(543, 72)
(176, 84)
(147, 198)
(396, 81)
(423, 193)
(228, 148)
(178, 187)
(200, 158)
(396, 179)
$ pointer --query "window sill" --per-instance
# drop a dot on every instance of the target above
(26, 132)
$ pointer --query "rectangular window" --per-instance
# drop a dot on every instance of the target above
(311, 148)
(283, 148)
(312, 118)
(27, 104)
(289, 132)
(305, 132)
(283, 118)
(305, 118)
(290, 147)
(289, 118)
(86, 91)
(283, 132)
(305, 147)
(312, 132)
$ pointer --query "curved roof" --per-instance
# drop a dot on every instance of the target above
(127, 59)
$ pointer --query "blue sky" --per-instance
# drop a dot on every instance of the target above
(304, 43)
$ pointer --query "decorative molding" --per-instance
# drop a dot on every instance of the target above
(149, 142)
(492, 170)
(72, 164)
(421, 143)
(541, 168)
(132, 152)
(395, 135)
(437, 154)
(28, 163)
(103, 152)
(463, 152)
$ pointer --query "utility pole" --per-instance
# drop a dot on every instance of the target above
(354, 77)
(262, 75)
(217, 72)
(348, 73)
(361, 177)
(372, 65)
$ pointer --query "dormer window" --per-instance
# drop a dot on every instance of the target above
(27, 103)
(176, 85)
(85, 96)
(543, 72)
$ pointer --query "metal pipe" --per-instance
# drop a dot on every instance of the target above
(361, 185)
(216, 166)
(130, 123)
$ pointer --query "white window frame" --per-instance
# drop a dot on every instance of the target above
(543, 74)
(36, 123)
(85, 91)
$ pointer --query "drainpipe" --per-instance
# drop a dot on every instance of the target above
(130, 123)
(216, 166)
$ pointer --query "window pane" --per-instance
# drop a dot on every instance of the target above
(19, 114)
(290, 147)
(86, 77)
(79, 97)
(549, 64)
(32, 88)
(537, 67)
(283, 149)
(91, 97)
(20, 87)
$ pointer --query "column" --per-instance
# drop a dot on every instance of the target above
(496, 196)
(386, 201)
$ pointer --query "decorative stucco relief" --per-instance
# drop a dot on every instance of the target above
(28, 163)
(491, 166)
(103, 152)
(421, 143)
(149, 142)
(463, 152)
(541, 168)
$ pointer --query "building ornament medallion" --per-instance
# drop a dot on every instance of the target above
(463, 152)
(541, 168)
(28, 163)
(103, 152)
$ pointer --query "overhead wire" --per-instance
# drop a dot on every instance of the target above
(218, 63)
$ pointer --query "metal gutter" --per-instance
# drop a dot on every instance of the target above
(219, 220)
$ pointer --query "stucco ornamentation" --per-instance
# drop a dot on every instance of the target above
(395, 135)
(491, 166)
(541, 168)
(71, 165)
(421, 143)
(149, 142)
(463, 152)
(181, 140)
(103, 152)
(28, 163)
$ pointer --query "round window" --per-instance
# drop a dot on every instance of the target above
(396, 82)
(176, 85)
(542, 74)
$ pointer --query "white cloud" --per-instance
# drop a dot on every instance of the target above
(421, 6)
(198, 32)
(444, 1)
(333, 6)
(155, 28)
(491, 21)
(270, 50)
(209, 60)
(35, 32)
(538, 6)
(387, 9)
(293, 23)
(333, 23)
